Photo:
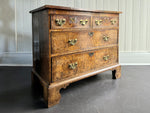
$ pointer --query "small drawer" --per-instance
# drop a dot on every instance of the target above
(70, 21)
(106, 20)
(66, 41)
(78, 64)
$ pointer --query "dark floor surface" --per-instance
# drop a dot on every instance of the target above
(97, 94)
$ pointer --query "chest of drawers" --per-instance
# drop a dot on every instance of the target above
(72, 44)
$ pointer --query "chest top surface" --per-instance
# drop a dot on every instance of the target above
(71, 9)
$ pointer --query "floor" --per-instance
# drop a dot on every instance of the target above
(97, 94)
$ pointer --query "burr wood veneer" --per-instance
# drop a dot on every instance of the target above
(72, 44)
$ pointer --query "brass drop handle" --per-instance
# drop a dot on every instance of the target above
(72, 41)
(83, 22)
(113, 22)
(73, 65)
(106, 57)
(98, 22)
(60, 22)
(105, 38)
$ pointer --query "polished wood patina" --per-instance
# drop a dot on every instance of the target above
(72, 44)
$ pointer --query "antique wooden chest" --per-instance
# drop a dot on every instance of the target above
(72, 44)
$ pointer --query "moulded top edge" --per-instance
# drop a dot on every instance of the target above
(71, 9)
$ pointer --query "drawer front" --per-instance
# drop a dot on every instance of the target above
(70, 21)
(77, 64)
(83, 40)
(106, 20)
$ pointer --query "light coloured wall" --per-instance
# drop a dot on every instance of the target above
(16, 27)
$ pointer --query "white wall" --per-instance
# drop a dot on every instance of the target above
(16, 28)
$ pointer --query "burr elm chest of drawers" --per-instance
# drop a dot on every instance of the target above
(72, 44)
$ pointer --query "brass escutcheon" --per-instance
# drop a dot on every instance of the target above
(60, 22)
(73, 65)
(72, 41)
(91, 33)
(106, 57)
(83, 22)
(91, 54)
(98, 22)
(72, 20)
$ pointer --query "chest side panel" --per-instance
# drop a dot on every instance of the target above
(41, 62)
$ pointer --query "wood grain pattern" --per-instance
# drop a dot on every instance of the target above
(81, 13)
(52, 92)
(71, 21)
(41, 45)
(70, 9)
(65, 51)
(116, 73)
(35, 41)
(85, 63)
(106, 20)
(60, 40)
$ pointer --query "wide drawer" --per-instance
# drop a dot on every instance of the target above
(106, 21)
(77, 64)
(70, 21)
(82, 40)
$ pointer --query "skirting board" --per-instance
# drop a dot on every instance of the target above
(25, 59)
(16, 59)
(134, 58)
